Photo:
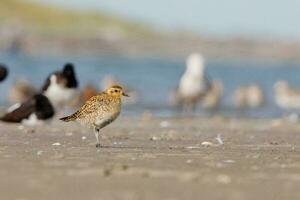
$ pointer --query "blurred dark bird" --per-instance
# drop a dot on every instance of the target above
(20, 91)
(61, 86)
(3, 72)
(31, 112)
(193, 85)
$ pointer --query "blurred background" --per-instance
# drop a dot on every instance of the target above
(144, 46)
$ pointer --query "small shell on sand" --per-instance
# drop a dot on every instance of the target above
(207, 144)
(117, 143)
(56, 144)
(192, 147)
(229, 161)
(155, 138)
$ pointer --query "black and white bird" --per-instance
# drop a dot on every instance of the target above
(32, 112)
(3, 72)
(61, 86)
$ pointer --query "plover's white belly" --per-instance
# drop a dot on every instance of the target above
(91, 121)
(103, 121)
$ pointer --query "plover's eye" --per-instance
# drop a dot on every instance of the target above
(116, 90)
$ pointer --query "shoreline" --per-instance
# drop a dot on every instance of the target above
(158, 158)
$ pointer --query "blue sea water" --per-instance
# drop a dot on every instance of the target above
(154, 77)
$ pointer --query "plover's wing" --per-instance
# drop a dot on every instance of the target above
(20, 113)
(92, 105)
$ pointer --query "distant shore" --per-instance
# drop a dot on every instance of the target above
(35, 29)
(164, 46)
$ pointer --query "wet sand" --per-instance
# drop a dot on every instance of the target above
(152, 159)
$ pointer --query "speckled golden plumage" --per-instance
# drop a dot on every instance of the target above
(97, 108)
(100, 110)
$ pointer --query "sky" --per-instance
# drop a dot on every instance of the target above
(251, 18)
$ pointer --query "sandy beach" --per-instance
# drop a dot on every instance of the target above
(160, 158)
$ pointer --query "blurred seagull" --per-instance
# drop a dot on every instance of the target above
(249, 96)
(193, 85)
(213, 97)
(285, 96)
(31, 112)
(3, 72)
(61, 86)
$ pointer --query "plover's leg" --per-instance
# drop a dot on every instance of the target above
(96, 131)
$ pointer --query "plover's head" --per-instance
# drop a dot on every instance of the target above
(195, 64)
(116, 91)
(3, 72)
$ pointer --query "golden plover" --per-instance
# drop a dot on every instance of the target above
(99, 111)
(213, 97)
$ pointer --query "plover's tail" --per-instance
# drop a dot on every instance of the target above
(68, 118)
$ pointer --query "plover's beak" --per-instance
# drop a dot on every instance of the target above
(126, 95)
